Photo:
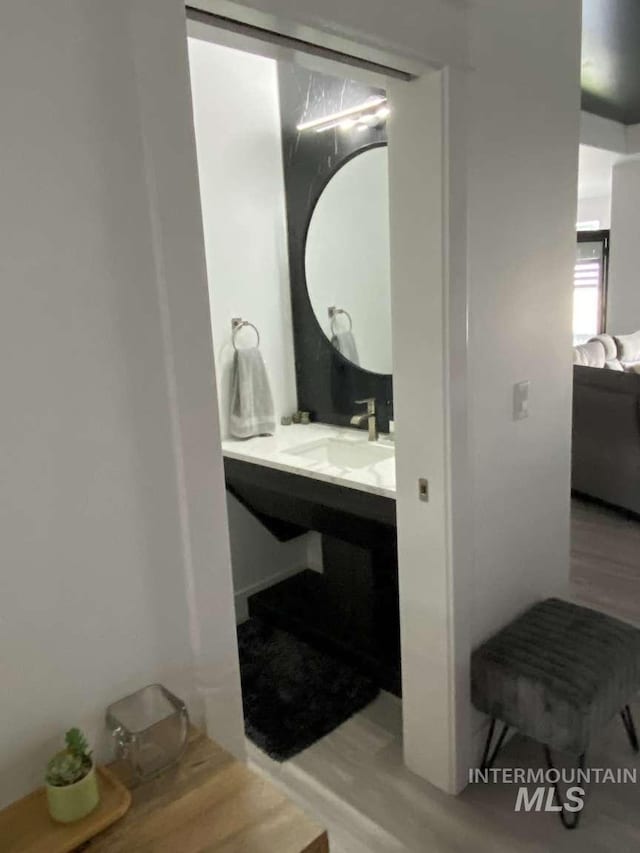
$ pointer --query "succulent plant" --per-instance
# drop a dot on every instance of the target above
(73, 763)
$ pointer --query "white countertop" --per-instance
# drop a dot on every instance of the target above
(271, 451)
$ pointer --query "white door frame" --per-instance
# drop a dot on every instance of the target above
(429, 308)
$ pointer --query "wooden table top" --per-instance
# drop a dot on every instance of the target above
(209, 802)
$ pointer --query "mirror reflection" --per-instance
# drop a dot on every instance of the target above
(347, 260)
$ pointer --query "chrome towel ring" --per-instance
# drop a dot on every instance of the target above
(238, 323)
(333, 313)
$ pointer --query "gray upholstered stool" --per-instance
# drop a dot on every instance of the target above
(558, 674)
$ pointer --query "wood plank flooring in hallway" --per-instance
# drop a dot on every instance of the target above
(605, 560)
(354, 781)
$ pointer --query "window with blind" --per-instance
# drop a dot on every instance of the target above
(590, 285)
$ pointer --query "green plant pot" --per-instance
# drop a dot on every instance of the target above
(73, 802)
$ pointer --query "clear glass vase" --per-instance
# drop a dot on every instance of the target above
(150, 728)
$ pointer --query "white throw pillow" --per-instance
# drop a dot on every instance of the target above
(591, 354)
(609, 344)
(628, 348)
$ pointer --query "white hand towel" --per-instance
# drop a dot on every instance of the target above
(252, 412)
(345, 343)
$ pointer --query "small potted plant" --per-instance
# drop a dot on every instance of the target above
(72, 786)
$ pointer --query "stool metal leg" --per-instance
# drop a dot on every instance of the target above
(627, 719)
(488, 757)
(568, 823)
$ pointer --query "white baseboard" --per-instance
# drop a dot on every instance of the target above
(241, 595)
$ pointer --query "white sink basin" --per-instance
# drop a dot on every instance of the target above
(343, 454)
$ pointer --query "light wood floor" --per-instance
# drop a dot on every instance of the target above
(605, 560)
(355, 784)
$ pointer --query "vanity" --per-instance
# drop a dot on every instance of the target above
(334, 481)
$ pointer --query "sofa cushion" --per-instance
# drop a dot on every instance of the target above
(628, 348)
(612, 362)
(558, 673)
(609, 344)
(591, 354)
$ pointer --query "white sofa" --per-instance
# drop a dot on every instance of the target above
(612, 352)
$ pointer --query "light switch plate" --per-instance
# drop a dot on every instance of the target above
(521, 400)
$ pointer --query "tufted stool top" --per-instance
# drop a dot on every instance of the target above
(558, 673)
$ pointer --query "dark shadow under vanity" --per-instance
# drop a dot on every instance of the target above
(351, 609)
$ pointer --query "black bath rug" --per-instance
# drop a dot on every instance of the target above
(292, 694)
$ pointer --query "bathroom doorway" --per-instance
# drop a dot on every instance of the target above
(315, 350)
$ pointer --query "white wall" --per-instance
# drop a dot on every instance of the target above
(608, 135)
(603, 133)
(259, 560)
(521, 252)
(596, 209)
(237, 122)
(107, 561)
(632, 138)
(594, 183)
(238, 137)
(623, 311)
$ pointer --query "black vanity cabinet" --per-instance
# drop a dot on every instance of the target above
(350, 610)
